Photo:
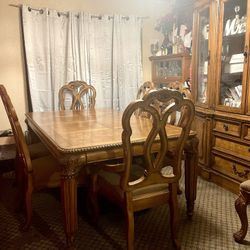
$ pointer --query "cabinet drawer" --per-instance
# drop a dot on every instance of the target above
(246, 133)
(230, 128)
(234, 148)
(231, 169)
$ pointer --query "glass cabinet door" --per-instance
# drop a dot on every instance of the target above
(170, 68)
(203, 55)
(232, 54)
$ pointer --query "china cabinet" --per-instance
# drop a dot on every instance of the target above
(221, 91)
(170, 68)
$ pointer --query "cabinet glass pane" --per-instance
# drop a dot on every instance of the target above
(168, 68)
(203, 54)
(232, 54)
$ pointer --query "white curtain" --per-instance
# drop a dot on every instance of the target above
(104, 51)
(127, 60)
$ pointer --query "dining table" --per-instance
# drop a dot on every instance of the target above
(78, 139)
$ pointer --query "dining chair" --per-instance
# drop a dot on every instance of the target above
(31, 174)
(177, 86)
(144, 88)
(142, 91)
(241, 203)
(135, 187)
(78, 95)
(182, 87)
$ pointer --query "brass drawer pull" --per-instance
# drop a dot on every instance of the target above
(241, 174)
(225, 126)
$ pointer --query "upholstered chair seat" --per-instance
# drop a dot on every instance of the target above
(109, 180)
(245, 186)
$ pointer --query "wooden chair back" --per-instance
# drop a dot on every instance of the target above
(23, 155)
(178, 86)
(82, 95)
(181, 88)
(144, 88)
(154, 161)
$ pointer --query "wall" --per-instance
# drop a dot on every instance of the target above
(12, 68)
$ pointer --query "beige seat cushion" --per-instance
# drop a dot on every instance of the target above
(46, 172)
(114, 178)
(111, 182)
(245, 186)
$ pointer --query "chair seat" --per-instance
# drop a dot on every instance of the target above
(245, 186)
(37, 150)
(149, 191)
(110, 182)
(46, 172)
(114, 178)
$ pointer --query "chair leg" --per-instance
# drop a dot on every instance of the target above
(241, 207)
(28, 204)
(20, 195)
(174, 214)
(129, 221)
(20, 184)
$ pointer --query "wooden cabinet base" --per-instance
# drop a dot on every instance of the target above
(220, 180)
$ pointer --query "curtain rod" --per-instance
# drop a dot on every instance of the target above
(66, 14)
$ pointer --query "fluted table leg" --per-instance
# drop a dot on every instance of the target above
(69, 182)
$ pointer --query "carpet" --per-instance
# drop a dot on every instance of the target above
(211, 227)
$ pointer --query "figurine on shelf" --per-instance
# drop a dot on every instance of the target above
(165, 26)
(154, 48)
(166, 47)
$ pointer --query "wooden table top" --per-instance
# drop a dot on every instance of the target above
(7, 148)
(7, 140)
(88, 131)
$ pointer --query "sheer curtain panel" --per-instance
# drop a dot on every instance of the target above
(62, 47)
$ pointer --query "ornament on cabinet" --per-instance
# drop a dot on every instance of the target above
(237, 25)
(177, 35)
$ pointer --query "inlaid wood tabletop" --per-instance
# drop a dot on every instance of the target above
(87, 130)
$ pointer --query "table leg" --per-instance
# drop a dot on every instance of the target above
(191, 164)
(69, 175)
(69, 202)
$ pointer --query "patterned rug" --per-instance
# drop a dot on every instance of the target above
(212, 226)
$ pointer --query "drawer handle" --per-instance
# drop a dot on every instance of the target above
(241, 174)
(225, 126)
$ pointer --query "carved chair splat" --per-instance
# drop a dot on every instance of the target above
(82, 95)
